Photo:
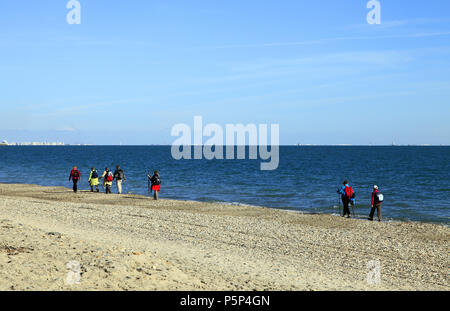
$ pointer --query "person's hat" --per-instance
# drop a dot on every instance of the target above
(375, 187)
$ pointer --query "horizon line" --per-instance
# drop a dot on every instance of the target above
(281, 145)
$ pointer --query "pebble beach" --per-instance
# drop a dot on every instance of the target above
(131, 242)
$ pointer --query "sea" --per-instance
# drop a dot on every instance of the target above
(415, 180)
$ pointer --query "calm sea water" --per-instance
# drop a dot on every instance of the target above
(414, 180)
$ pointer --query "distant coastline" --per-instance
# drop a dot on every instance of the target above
(4, 143)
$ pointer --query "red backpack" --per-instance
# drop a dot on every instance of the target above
(348, 191)
(109, 176)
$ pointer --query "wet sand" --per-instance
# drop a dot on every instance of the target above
(132, 242)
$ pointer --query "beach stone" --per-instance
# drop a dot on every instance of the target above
(56, 234)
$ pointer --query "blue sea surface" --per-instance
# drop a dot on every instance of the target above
(414, 180)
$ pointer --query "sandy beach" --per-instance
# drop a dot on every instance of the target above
(132, 242)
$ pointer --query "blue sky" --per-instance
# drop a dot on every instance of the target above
(133, 69)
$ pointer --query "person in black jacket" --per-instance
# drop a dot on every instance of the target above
(156, 184)
(119, 176)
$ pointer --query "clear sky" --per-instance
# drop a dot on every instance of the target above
(133, 69)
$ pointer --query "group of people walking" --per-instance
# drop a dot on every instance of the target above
(108, 178)
(348, 197)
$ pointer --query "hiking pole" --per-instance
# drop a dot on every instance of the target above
(339, 204)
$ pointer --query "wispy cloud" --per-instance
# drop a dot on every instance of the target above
(66, 129)
(328, 40)
(397, 23)
(321, 65)
(70, 110)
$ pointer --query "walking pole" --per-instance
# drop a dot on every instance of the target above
(148, 184)
(339, 204)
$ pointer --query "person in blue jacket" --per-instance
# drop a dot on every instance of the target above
(346, 193)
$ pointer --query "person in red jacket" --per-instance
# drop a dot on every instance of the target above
(377, 201)
(75, 176)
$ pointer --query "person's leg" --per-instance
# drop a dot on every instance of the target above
(75, 188)
(372, 211)
(92, 188)
(346, 208)
(379, 212)
(119, 186)
(96, 188)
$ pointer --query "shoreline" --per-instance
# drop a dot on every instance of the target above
(131, 242)
(289, 210)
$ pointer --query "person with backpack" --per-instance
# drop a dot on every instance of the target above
(75, 176)
(108, 178)
(119, 175)
(156, 184)
(377, 201)
(346, 193)
(93, 179)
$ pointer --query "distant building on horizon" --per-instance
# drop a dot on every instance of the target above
(6, 143)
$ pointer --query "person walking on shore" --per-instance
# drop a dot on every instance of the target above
(75, 176)
(156, 184)
(377, 201)
(119, 175)
(346, 193)
(93, 179)
(108, 178)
